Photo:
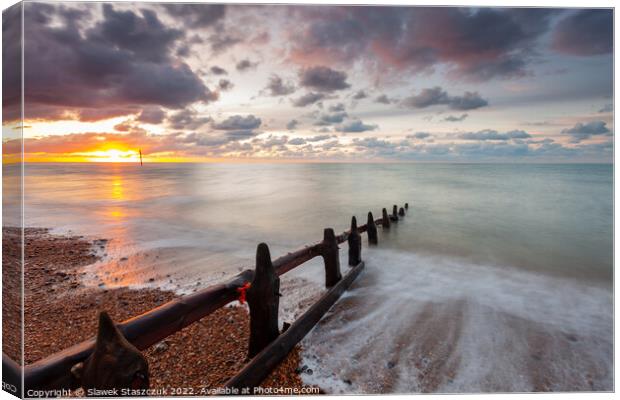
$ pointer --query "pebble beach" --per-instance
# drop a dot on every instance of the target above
(61, 311)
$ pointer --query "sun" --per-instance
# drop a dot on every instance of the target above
(113, 155)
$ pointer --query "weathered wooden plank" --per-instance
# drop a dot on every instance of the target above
(294, 259)
(260, 366)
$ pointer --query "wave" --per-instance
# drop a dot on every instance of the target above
(414, 323)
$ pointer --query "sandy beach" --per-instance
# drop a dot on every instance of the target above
(60, 312)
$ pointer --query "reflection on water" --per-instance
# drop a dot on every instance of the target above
(546, 218)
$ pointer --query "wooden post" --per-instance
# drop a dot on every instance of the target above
(386, 219)
(331, 258)
(255, 371)
(401, 212)
(406, 206)
(371, 229)
(263, 299)
(355, 244)
(394, 216)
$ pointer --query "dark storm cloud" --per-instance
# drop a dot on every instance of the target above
(323, 79)
(474, 43)
(454, 118)
(122, 63)
(355, 126)
(152, 115)
(489, 134)
(245, 65)
(197, 15)
(307, 99)
(582, 131)
(585, 33)
(215, 70)
(238, 123)
(144, 36)
(438, 96)
(277, 86)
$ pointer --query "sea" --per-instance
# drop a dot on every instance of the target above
(498, 279)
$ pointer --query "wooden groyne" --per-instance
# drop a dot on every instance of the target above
(261, 286)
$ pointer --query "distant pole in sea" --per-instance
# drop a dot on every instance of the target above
(140, 151)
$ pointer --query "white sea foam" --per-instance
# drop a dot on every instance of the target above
(421, 323)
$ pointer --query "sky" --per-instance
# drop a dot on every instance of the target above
(212, 82)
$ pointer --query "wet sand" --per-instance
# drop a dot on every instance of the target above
(60, 312)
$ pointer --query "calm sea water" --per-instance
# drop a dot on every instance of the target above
(532, 242)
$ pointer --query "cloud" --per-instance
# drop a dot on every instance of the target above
(336, 107)
(225, 84)
(469, 101)
(489, 134)
(360, 94)
(197, 15)
(215, 70)
(307, 99)
(323, 79)
(355, 126)
(125, 126)
(383, 99)
(419, 135)
(152, 115)
(115, 67)
(373, 143)
(187, 120)
(297, 141)
(585, 32)
(221, 41)
(319, 138)
(438, 96)
(292, 124)
(245, 65)
(607, 108)
(277, 87)
(474, 44)
(583, 131)
(332, 118)
(453, 118)
(238, 122)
